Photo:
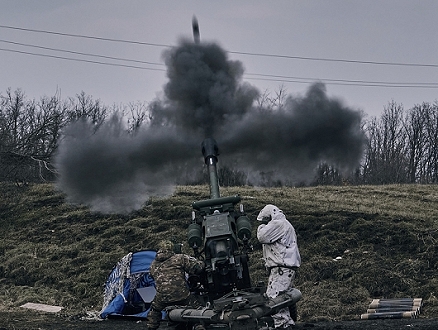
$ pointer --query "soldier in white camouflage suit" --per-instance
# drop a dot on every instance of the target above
(281, 256)
(169, 272)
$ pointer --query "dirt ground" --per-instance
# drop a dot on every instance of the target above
(32, 320)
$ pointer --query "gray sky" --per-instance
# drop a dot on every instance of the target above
(332, 41)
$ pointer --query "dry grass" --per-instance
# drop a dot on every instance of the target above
(55, 253)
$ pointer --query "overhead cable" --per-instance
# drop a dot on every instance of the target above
(249, 76)
(79, 53)
(82, 60)
(231, 52)
(85, 36)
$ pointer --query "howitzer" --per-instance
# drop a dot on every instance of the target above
(215, 233)
(220, 236)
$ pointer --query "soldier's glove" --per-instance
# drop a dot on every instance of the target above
(199, 269)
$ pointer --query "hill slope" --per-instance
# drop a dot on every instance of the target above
(386, 237)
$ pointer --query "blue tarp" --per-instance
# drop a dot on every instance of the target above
(141, 261)
(128, 302)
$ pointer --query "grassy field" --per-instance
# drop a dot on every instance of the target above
(386, 237)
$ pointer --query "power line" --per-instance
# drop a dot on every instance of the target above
(335, 60)
(231, 52)
(85, 36)
(256, 76)
(82, 60)
(79, 53)
(269, 77)
(352, 83)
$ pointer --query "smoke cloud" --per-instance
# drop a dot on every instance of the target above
(205, 91)
(113, 171)
(290, 142)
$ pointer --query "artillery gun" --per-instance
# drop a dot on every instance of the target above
(220, 236)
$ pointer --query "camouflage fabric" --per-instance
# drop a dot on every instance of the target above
(280, 279)
(168, 270)
(169, 273)
(165, 245)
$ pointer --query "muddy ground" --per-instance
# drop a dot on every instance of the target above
(32, 320)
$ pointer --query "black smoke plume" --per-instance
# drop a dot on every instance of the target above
(113, 171)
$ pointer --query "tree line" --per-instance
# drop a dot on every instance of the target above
(402, 147)
(402, 144)
(30, 130)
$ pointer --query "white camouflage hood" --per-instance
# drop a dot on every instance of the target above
(270, 211)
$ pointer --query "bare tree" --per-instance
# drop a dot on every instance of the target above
(416, 141)
(85, 107)
(29, 131)
(138, 115)
(267, 102)
(327, 174)
(12, 114)
(431, 148)
(385, 160)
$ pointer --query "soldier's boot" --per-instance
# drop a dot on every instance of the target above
(293, 312)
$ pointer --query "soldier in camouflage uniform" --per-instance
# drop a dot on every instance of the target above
(169, 272)
(282, 258)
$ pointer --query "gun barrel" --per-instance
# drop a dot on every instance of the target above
(210, 151)
(195, 27)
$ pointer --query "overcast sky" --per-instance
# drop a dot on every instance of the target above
(367, 52)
